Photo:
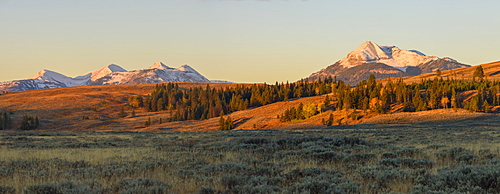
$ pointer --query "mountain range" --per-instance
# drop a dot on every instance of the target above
(384, 62)
(108, 75)
(358, 65)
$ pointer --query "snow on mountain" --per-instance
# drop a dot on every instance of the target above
(369, 52)
(186, 68)
(110, 74)
(94, 75)
(159, 65)
(47, 77)
(159, 72)
(405, 58)
(392, 60)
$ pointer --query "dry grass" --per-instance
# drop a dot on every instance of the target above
(162, 155)
(491, 72)
(62, 109)
(431, 116)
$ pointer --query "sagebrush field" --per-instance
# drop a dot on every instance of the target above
(448, 157)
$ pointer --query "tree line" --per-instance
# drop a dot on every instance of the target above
(427, 95)
(200, 103)
(28, 122)
(5, 121)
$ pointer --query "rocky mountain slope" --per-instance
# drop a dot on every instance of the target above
(108, 75)
(384, 62)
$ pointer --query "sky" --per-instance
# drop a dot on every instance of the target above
(247, 41)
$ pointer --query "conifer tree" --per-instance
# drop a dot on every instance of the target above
(327, 100)
(5, 121)
(122, 113)
(37, 122)
(29, 123)
(486, 106)
(454, 101)
(222, 123)
(438, 73)
(229, 123)
(479, 73)
(330, 120)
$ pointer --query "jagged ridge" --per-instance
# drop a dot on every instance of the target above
(108, 75)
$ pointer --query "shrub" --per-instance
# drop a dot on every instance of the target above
(328, 156)
(416, 163)
(466, 157)
(381, 177)
(60, 188)
(312, 185)
(434, 146)
(464, 179)
(5, 172)
(141, 185)
(389, 155)
(292, 142)
(225, 168)
(456, 154)
(407, 152)
(115, 170)
(207, 190)
(244, 189)
(80, 173)
(253, 140)
(231, 181)
(7, 189)
(298, 173)
(23, 164)
(394, 162)
(359, 158)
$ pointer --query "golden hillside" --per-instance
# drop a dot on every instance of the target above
(491, 72)
(64, 109)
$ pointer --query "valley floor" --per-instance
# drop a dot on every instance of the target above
(442, 157)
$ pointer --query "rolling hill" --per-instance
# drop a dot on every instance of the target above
(491, 72)
(97, 108)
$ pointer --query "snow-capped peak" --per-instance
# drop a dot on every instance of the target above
(115, 68)
(110, 74)
(47, 74)
(186, 68)
(159, 65)
(45, 77)
(369, 52)
(106, 70)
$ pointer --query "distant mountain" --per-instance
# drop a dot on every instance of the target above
(108, 75)
(384, 62)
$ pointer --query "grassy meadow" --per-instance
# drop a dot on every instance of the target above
(448, 157)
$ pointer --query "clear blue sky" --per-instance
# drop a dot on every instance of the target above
(236, 40)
